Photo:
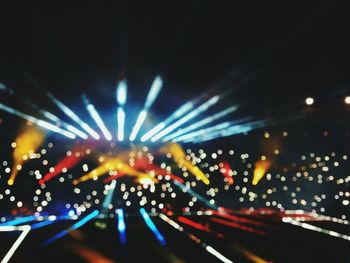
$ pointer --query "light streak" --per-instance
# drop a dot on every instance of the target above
(179, 157)
(121, 99)
(200, 123)
(195, 134)
(152, 226)
(140, 119)
(194, 194)
(202, 108)
(151, 97)
(315, 228)
(261, 167)
(94, 114)
(19, 221)
(109, 197)
(37, 121)
(26, 145)
(69, 127)
(217, 254)
(121, 226)
(122, 89)
(121, 121)
(74, 117)
(177, 114)
(113, 165)
(210, 249)
(77, 225)
(25, 230)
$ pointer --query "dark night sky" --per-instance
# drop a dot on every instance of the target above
(275, 53)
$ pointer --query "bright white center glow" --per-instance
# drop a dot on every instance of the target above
(309, 101)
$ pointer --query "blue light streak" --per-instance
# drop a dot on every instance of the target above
(194, 194)
(152, 226)
(201, 123)
(206, 105)
(121, 226)
(74, 116)
(73, 227)
(175, 115)
(94, 114)
(39, 122)
(109, 197)
(19, 221)
(151, 97)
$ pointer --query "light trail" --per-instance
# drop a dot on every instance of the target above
(121, 123)
(237, 129)
(38, 122)
(151, 97)
(94, 114)
(121, 226)
(109, 197)
(200, 123)
(194, 194)
(74, 117)
(25, 230)
(175, 115)
(77, 225)
(122, 89)
(152, 226)
(66, 125)
(202, 108)
(26, 144)
(195, 134)
(19, 221)
(179, 157)
(315, 228)
(208, 248)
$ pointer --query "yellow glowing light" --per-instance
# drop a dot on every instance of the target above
(261, 167)
(115, 164)
(179, 157)
(25, 145)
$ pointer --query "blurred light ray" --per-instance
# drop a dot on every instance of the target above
(175, 115)
(75, 226)
(122, 89)
(109, 197)
(66, 163)
(25, 230)
(260, 170)
(38, 122)
(152, 226)
(202, 108)
(121, 123)
(19, 220)
(200, 123)
(194, 238)
(140, 119)
(151, 97)
(74, 116)
(121, 226)
(26, 143)
(97, 118)
(179, 157)
(114, 164)
(66, 125)
(194, 194)
(315, 228)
